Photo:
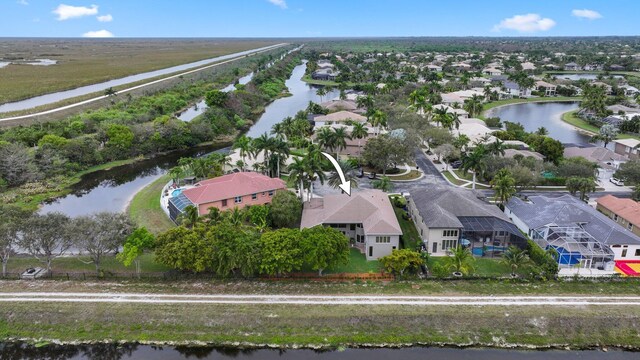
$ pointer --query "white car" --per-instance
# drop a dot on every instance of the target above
(617, 181)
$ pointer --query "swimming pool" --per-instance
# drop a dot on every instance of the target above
(480, 251)
(176, 192)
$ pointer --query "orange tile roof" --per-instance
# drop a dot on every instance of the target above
(232, 185)
(625, 208)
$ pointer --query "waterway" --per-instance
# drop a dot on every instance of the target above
(200, 107)
(544, 114)
(576, 77)
(133, 351)
(111, 190)
(84, 90)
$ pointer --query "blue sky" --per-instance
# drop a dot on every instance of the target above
(316, 18)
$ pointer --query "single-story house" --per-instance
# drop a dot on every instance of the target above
(325, 74)
(626, 110)
(339, 105)
(627, 148)
(582, 236)
(490, 71)
(510, 153)
(447, 216)
(339, 117)
(528, 66)
(475, 130)
(366, 217)
(605, 158)
(226, 192)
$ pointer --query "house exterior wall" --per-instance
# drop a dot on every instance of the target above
(627, 151)
(261, 199)
(430, 236)
(519, 223)
(375, 250)
(626, 252)
(436, 240)
(620, 220)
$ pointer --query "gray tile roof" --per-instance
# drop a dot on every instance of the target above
(570, 211)
(441, 206)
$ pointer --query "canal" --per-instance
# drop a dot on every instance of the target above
(111, 190)
(133, 351)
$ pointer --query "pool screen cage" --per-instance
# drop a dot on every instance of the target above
(574, 246)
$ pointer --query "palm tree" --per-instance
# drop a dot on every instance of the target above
(190, 217)
(340, 137)
(378, 120)
(515, 258)
(177, 173)
(365, 102)
(235, 217)
(359, 131)
(460, 260)
(473, 105)
(280, 150)
(315, 172)
(350, 174)
(240, 165)
(263, 144)
(384, 184)
(325, 138)
(214, 215)
(243, 143)
(297, 173)
(440, 115)
(542, 131)
(504, 185)
(321, 92)
(496, 148)
(474, 161)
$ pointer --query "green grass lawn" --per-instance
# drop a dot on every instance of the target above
(357, 264)
(145, 209)
(412, 175)
(452, 179)
(410, 236)
(482, 266)
(78, 264)
(463, 175)
(572, 118)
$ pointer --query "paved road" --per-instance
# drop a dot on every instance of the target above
(563, 301)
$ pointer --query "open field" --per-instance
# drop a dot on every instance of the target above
(84, 62)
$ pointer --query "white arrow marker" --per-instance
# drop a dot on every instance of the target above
(346, 185)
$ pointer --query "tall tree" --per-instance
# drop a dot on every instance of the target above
(504, 185)
(281, 252)
(243, 144)
(359, 131)
(135, 245)
(45, 238)
(473, 105)
(324, 248)
(285, 210)
(606, 134)
(474, 161)
(11, 227)
(349, 171)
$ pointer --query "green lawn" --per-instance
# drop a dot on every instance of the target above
(77, 264)
(463, 175)
(452, 179)
(145, 209)
(357, 264)
(410, 236)
(483, 266)
(412, 175)
(571, 118)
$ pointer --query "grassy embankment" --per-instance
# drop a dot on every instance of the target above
(571, 118)
(145, 208)
(323, 325)
(85, 63)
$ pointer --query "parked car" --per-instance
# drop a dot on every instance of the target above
(456, 164)
(616, 181)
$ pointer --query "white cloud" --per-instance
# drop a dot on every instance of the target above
(280, 3)
(586, 14)
(525, 23)
(23, 2)
(105, 18)
(98, 34)
(66, 12)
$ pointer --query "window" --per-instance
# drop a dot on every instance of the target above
(271, 193)
(254, 196)
(450, 233)
(224, 202)
(448, 244)
(624, 252)
(630, 226)
(615, 217)
(370, 251)
(238, 199)
(383, 239)
(353, 227)
(264, 193)
(637, 252)
(435, 247)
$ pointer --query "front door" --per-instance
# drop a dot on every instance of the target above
(435, 247)
(370, 251)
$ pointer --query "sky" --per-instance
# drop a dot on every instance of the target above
(316, 18)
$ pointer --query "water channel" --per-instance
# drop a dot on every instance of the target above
(84, 90)
(111, 190)
(133, 351)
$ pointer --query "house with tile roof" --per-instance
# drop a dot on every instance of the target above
(625, 212)
(366, 217)
(339, 117)
(447, 216)
(582, 236)
(227, 192)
